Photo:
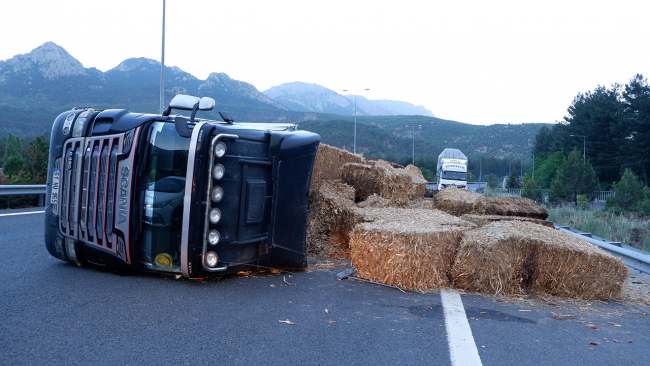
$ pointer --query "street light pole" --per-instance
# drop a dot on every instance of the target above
(584, 147)
(162, 65)
(355, 117)
(413, 135)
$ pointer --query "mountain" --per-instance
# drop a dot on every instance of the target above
(48, 61)
(38, 86)
(304, 97)
(388, 107)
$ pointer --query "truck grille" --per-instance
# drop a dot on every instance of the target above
(88, 188)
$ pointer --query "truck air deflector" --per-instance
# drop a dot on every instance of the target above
(292, 154)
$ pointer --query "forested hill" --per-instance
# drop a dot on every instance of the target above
(431, 136)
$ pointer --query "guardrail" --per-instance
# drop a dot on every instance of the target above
(632, 257)
(25, 190)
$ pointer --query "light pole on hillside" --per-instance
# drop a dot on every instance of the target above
(355, 116)
(584, 147)
(413, 134)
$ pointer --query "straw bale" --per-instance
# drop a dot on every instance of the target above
(459, 202)
(414, 171)
(375, 201)
(330, 217)
(381, 178)
(511, 206)
(421, 203)
(364, 178)
(515, 257)
(481, 220)
(408, 248)
(328, 164)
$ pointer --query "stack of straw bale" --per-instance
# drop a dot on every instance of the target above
(395, 184)
(481, 220)
(330, 217)
(514, 257)
(459, 202)
(328, 164)
(375, 201)
(408, 248)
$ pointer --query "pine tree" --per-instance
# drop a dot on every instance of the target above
(492, 181)
(635, 139)
(628, 192)
(513, 180)
(14, 147)
(575, 177)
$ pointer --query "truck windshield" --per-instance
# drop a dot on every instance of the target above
(454, 175)
(163, 185)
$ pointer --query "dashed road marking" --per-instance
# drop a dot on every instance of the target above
(462, 347)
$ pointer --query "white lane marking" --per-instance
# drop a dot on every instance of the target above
(21, 213)
(462, 348)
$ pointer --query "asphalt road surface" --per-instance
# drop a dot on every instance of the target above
(54, 313)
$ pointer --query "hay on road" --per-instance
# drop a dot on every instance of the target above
(381, 178)
(330, 217)
(515, 257)
(481, 220)
(328, 164)
(459, 202)
(409, 248)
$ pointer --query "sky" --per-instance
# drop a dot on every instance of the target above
(478, 62)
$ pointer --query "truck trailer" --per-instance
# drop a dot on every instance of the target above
(452, 169)
(177, 194)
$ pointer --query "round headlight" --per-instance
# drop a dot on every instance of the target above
(217, 194)
(220, 149)
(214, 237)
(211, 259)
(215, 215)
(218, 171)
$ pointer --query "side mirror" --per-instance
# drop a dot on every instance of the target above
(206, 104)
(189, 103)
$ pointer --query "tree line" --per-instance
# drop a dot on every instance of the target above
(602, 144)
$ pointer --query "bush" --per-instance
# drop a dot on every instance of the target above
(492, 181)
(644, 206)
(531, 190)
(628, 193)
(583, 203)
(13, 165)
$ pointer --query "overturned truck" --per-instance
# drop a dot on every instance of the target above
(177, 194)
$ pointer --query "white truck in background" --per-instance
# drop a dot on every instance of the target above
(452, 169)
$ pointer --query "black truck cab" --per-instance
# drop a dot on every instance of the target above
(174, 194)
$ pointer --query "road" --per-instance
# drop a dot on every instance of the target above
(55, 313)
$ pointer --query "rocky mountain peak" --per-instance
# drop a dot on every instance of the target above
(134, 63)
(51, 60)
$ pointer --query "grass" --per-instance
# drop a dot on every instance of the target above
(630, 230)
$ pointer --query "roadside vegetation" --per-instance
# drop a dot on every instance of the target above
(631, 229)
